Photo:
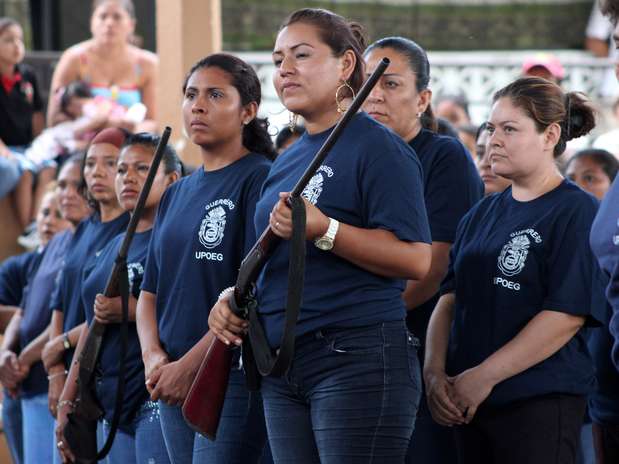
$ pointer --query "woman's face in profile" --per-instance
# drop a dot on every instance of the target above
(111, 23)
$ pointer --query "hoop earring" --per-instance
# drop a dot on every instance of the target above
(292, 121)
(345, 85)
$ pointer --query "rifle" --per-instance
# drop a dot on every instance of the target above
(204, 402)
(81, 429)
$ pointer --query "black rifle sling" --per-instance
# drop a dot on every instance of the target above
(123, 287)
(268, 363)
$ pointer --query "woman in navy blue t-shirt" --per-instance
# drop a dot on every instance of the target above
(139, 436)
(514, 370)
(451, 187)
(353, 387)
(203, 229)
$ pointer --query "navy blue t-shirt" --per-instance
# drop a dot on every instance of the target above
(605, 244)
(204, 228)
(512, 260)
(14, 274)
(36, 313)
(451, 186)
(371, 179)
(90, 236)
(135, 391)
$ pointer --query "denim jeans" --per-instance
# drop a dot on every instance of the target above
(241, 435)
(12, 423)
(143, 445)
(38, 430)
(350, 396)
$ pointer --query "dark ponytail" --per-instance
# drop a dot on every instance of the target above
(256, 137)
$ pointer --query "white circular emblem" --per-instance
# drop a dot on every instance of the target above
(513, 255)
(212, 227)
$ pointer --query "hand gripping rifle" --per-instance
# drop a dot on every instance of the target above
(204, 402)
(80, 431)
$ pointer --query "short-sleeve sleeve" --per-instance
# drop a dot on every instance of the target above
(452, 188)
(392, 190)
(14, 274)
(572, 270)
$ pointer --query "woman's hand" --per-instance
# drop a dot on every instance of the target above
(171, 382)
(53, 352)
(62, 420)
(438, 394)
(108, 310)
(57, 378)
(280, 219)
(153, 360)
(11, 371)
(224, 324)
(470, 389)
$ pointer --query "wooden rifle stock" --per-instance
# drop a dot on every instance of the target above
(87, 409)
(204, 402)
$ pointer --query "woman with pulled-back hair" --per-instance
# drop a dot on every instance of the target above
(400, 100)
(352, 390)
(204, 228)
(506, 359)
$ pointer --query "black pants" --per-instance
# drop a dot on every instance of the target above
(606, 443)
(540, 430)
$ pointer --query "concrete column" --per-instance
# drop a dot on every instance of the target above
(187, 30)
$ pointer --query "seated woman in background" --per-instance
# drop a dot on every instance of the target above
(113, 68)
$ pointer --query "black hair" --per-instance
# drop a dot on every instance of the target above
(546, 103)
(610, 8)
(244, 79)
(480, 129)
(338, 34)
(75, 89)
(444, 127)
(286, 134)
(170, 160)
(603, 158)
(418, 63)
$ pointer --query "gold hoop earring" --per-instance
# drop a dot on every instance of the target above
(345, 85)
(292, 121)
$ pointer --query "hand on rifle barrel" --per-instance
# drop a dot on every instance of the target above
(280, 220)
(108, 310)
(224, 324)
(62, 419)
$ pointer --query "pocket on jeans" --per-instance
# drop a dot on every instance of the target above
(412, 345)
(364, 341)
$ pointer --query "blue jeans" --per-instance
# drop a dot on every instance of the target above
(241, 434)
(350, 396)
(142, 445)
(12, 424)
(38, 430)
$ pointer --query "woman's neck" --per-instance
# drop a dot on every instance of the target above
(220, 156)
(147, 219)
(7, 69)
(107, 50)
(109, 211)
(413, 132)
(316, 123)
(532, 186)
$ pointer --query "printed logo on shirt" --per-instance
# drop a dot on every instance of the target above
(135, 271)
(514, 253)
(212, 228)
(314, 188)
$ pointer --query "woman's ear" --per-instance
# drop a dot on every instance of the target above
(171, 178)
(425, 97)
(348, 62)
(552, 135)
(249, 112)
